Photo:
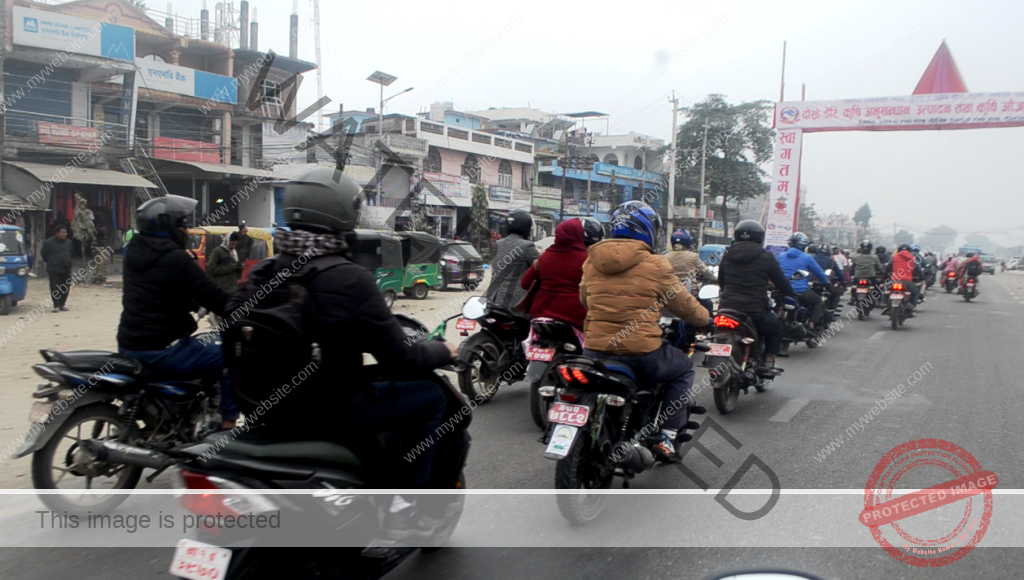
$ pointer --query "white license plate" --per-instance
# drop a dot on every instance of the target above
(720, 350)
(199, 561)
(39, 411)
(471, 275)
(896, 296)
(561, 441)
(568, 414)
(970, 285)
(541, 354)
(465, 324)
(863, 290)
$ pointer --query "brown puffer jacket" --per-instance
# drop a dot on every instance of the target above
(625, 285)
(688, 267)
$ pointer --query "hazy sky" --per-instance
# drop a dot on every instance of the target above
(572, 56)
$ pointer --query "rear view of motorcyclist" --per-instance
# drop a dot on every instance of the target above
(743, 277)
(920, 271)
(866, 266)
(905, 268)
(795, 258)
(515, 253)
(686, 263)
(883, 256)
(827, 262)
(971, 267)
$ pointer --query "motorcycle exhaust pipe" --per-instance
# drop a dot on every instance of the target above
(634, 458)
(121, 454)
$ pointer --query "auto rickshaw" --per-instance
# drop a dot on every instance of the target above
(204, 239)
(381, 253)
(422, 253)
(13, 268)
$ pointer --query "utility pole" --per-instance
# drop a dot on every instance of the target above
(782, 84)
(672, 170)
(894, 237)
(700, 201)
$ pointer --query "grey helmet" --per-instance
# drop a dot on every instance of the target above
(315, 202)
(163, 215)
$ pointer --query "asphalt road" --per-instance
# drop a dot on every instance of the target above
(966, 357)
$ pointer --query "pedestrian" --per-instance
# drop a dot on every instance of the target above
(244, 247)
(224, 269)
(56, 252)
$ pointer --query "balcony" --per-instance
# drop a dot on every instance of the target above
(461, 139)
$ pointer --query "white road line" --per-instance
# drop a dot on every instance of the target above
(789, 410)
(877, 335)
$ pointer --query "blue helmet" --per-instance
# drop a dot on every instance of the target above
(915, 248)
(682, 237)
(637, 221)
(799, 240)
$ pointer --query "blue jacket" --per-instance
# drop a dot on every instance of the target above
(792, 260)
(828, 263)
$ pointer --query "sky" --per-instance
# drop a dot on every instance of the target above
(565, 57)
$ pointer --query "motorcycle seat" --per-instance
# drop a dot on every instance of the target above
(287, 451)
(620, 369)
(95, 360)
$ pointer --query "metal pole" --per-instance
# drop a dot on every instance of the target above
(782, 84)
(671, 171)
(589, 164)
(703, 173)
(380, 137)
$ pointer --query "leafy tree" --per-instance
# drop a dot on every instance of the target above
(740, 140)
(939, 238)
(863, 216)
(807, 222)
(904, 237)
(479, 233)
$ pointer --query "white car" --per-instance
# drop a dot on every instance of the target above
(1013, 264)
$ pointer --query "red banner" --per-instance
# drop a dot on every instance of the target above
(67, 135)
(185, 150)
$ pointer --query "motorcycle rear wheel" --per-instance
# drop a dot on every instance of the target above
(574, 472)
(894, 317)
(725, 399)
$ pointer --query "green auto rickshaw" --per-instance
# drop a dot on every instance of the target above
(381, 253)
(422, 253)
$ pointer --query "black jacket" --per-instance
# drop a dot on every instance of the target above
(162, 285)
(57, 255)
(353, 319)
(743, 278)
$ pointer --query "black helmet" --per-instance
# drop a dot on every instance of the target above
(315, 202)
(593, 231)
(163, 215)
(519, 222)
(865, 247)
(880, 250)
(903, 247)
(823, 247)
(799, 240)
(749, 231)
(812, 249)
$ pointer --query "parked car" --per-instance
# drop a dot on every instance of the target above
(1013, 264)
(461, 264)
(989, 264)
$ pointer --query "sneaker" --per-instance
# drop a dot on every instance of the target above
(409, 523)
(63, 308)
(56, 309)
(664, 449)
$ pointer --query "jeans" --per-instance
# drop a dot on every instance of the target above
(667, 365)
(413, 408)
(57, 279)
(191, 359)
(812, 301)
(769, 328)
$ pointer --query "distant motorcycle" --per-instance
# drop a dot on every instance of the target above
(493, 355)
(951, 282)
(549, 342)
(970, 289)
(862, 300)
(899, 304)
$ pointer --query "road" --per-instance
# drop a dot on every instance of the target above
(966, 357)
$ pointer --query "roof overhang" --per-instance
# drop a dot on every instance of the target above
(81, 175)
(245, 57)
(212, 171)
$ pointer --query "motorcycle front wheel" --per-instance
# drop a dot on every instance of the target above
(479, 381)
(725, 399)
(574, 471)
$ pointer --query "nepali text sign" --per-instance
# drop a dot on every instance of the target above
(67, 135)
(185, 150)
(547, 197)
(72, 34)
(784, 194)
(626, 172)
(181, 80)
(943, 111)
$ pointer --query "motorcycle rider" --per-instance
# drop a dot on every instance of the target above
(866, 266)
(905, 268)
(626, 283)
(743, 277)
(971, 267)
(825, 260)
(795, 258)
(515, 253)
(686, 263)
(921, 274)
(883, 256)
(559, 270)
(163, 285)
(844, 263)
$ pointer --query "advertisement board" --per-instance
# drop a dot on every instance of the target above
(185, 150)
(67, 135)
(784, 194)
(72, 34)
(160, 76)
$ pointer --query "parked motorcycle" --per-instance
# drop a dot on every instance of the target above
(951, 282)
(899, 300)
(351, 523)
(96, 403)
(736, 353)
(970, 289)
(495, 354)
(602, 424)
(549, 342)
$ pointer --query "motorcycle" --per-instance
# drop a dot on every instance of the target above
(862, 300)
(603, 423)
(96, 399)
(899, 304)
(495, 354)
(970, 289)
(736, 353)
(549, 342)
(250, 468)
(951, 282)
(795, 320)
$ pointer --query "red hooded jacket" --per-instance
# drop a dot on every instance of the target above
(561, 269)
(903, 266)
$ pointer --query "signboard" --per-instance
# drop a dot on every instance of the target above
(67, 135)
(626, 172)
(931, 111)
(547, 197)
(450, 185)
(498, 193)
(170, 78)
(72, 34)
(784, 204)
(185, 150)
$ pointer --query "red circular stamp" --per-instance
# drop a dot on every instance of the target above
(960, 506)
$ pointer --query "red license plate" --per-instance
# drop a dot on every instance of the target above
(471, 275)
(541, 354)
(465, 324)
(568, 414)
(720, 350)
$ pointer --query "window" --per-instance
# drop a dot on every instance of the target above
(471, 168)
(433, 161)
(527, 176)
(503, 143)
(638, 163)
(505, 174)
(458, 134)
(432, 128)
(524, 147)
(611, 159)
(481, 138)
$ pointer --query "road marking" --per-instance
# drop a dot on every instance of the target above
(789, 410)
(877, 335)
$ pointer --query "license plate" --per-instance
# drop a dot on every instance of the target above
(39, 411)
(970, 285)
(561, 441)
(471, 275)
(568, 414)
(465, 324)
(720, 350)
(896, 296)
(862, 290)
(199, 561)
(541, 354)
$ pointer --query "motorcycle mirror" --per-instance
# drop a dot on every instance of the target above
(475, 307)
(709, 292)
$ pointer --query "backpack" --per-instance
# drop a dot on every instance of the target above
(973, 268)
(271, 336)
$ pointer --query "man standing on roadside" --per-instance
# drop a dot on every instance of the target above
(56, 252)
(244, 247)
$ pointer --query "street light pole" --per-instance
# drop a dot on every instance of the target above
(671, 170)
(700, 201)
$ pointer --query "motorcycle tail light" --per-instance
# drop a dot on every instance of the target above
(580, 376)
(219, 504)
(565, 374)
(725, 322)
(898, 287)
(862, 282)
(952, 274)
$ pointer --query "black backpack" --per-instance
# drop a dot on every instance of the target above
(973, 269)
(270, 339)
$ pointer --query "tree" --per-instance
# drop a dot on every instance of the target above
(904, 237)
(479, 233)
(863, 216)
(807, 222)
(939, 239)
(739, 141)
